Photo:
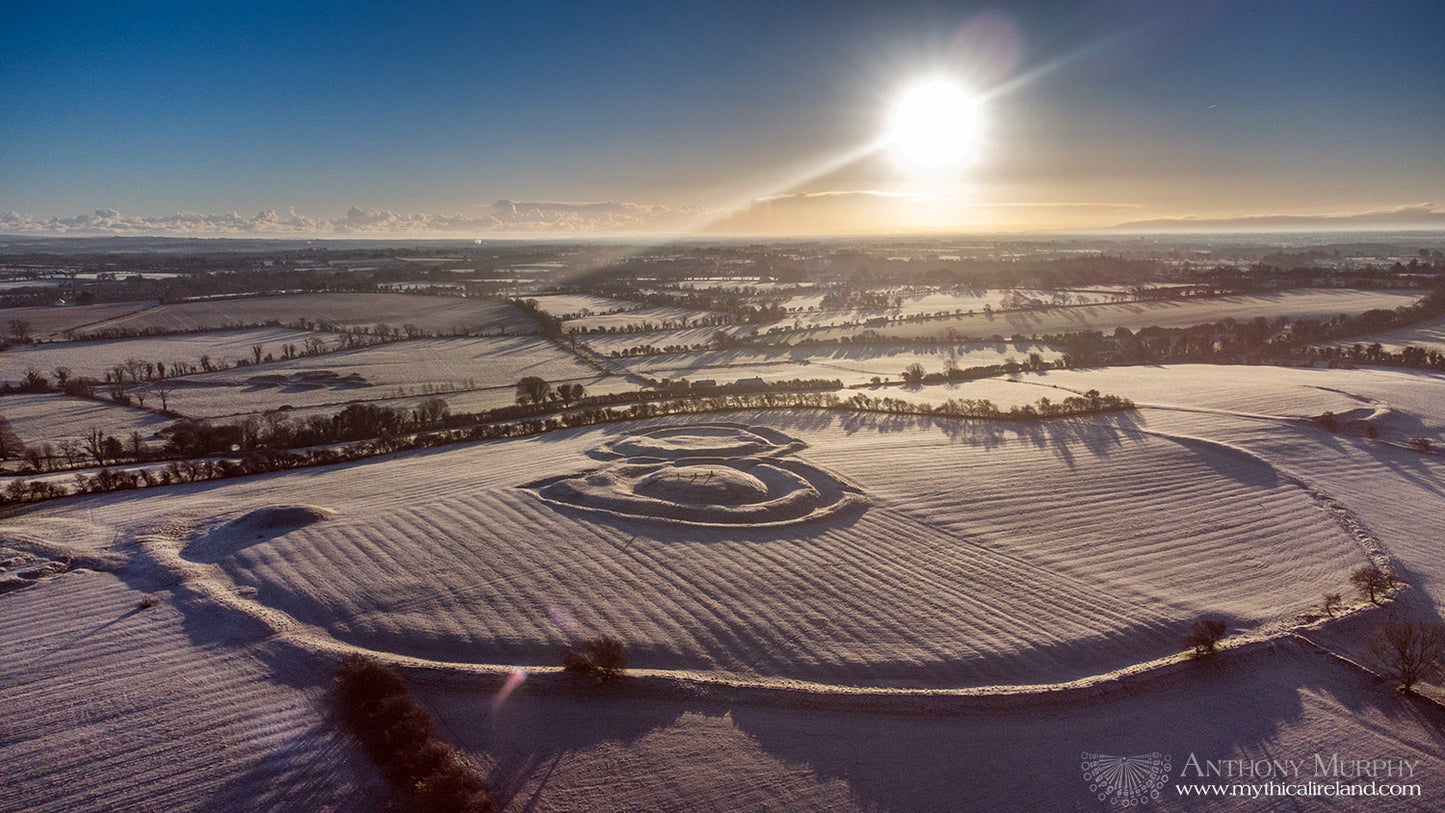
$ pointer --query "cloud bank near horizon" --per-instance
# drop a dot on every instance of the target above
(1416, 216)
(505, 217)
(811, 213)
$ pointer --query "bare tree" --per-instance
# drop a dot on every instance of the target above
(432, 410)
(1410, 651)
(256, 353)
(1373, 582)
(71, 451)
(533, 390)
(1331, 603)
(35, 381)
(10, 443)
(164, 387)
(1204, 635)
(95, 444)
(38, 456)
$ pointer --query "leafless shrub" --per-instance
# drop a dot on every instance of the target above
(602, 659)
(1203, 637)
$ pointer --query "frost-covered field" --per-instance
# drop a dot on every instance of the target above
(911, 304)
(837, 634)
(1429, 335)
(469, 400)
(430, 313)
(406, 369)
(51, 322)
(564, 304)
(96, 358)
(1311, 304)
(639, 317)
(1009, 554)
(852, 364)
(53, 418)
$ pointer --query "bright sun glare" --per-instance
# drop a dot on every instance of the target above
(935, 125)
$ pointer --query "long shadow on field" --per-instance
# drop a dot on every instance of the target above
(318, 770)
(1288, 703)
(528, 735)
(1097, 435)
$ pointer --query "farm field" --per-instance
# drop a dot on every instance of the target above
(433, 314)
(791, 584)
(467, 400)
(1429, 335)
(605, 343)
(851, 365)
(934, 556)
(933, 549)
(561, 305)
(51, 322)
(912, 304)
(638, 317)
(96, 358)
(395, 370)
(54, 418)
(1310, 304)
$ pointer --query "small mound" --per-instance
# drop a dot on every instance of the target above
(224, 540)
(702, 485)
(278, 517)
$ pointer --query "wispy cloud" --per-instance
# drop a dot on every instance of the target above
(505, 217)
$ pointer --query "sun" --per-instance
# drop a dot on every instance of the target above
(935, 125)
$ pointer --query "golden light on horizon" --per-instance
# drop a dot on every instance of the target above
(936, 125)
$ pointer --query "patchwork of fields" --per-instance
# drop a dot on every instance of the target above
(439, 315)
(792, 586)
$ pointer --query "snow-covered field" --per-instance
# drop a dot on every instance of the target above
(52, 418)
(51, 322)
(1310, 304)
(470, 400)
(96, 358)
(1429, 335)
(430, 313)
(822, 610)
(397, 370)
(561, 305)
(639, 318)
(852, 364)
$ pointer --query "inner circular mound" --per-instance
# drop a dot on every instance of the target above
(702, 485)
(675, 442)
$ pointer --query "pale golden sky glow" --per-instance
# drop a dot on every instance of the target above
(488, 120)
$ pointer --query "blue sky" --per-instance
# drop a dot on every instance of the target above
(1112, 111)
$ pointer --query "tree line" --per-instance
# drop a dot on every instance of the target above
(361, 431)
